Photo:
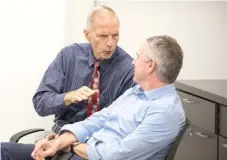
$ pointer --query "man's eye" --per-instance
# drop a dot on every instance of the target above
(103, 36)
(115, 35)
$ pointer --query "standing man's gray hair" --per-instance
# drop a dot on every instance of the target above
(95, 10)
(168, 56)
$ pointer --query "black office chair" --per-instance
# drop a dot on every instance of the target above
(173, 149)
(16, 137)
(67, 155)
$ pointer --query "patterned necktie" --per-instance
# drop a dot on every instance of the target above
(93, 101)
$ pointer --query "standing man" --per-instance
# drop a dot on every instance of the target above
(66, 86)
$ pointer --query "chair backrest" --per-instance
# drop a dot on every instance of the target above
(173, 149)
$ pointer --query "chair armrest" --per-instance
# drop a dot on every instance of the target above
(16, 137)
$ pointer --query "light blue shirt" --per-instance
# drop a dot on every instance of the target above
(137, 126)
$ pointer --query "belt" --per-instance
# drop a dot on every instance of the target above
(56, 128)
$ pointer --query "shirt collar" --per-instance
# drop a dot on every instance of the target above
(103, 64)
(154, 93)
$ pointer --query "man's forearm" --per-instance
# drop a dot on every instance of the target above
(65, 140)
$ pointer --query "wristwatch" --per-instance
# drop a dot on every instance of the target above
(73, 145)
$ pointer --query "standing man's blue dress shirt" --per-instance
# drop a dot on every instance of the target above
(71, 70)
(137, 126)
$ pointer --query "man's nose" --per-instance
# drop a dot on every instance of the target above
(109, 42)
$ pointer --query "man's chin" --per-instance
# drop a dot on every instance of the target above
(101, 58)
(105, 57)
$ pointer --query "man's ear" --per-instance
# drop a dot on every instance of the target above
(87, 35)
(152, 66)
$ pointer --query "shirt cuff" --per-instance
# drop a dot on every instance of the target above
(77, 129)
(58, 103)
(59, 100)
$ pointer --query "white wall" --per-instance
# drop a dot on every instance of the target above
(31, 34)
(200, 28)
(76, 15)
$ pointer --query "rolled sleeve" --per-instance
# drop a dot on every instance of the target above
(78, 130)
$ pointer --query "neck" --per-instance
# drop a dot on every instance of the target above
(152, 84)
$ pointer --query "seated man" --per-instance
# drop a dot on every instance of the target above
(141, 124)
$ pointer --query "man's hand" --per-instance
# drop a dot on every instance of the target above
(44, 148)
(51, 136)
(78, 95)
(81, 150)
(48, 148)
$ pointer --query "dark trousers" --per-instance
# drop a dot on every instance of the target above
(17, 151)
